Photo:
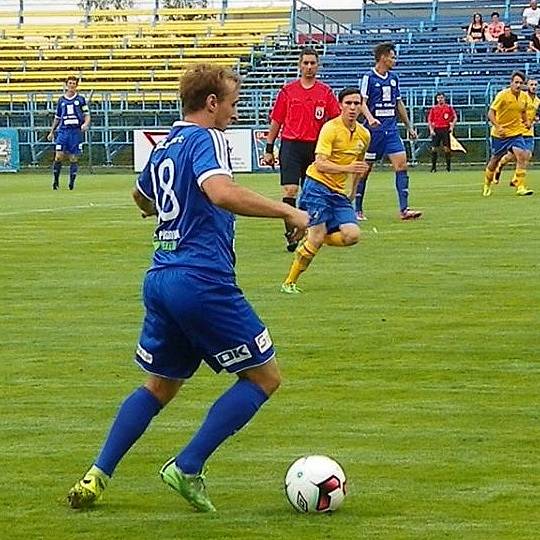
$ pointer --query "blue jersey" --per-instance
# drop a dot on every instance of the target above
(192, 232)
(382, 94)
(71, 111)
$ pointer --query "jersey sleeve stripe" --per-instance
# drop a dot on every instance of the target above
(142, 192)
(213, 172)
(220, 148)
(364, 81)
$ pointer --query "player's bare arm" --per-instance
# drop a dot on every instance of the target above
(50, 135)
(404, 117)
(324, 165)
(372, 121)
(492, 117)
(223, 192)
(273, 132)
(146, 206)
(86, 124)
(525, 120)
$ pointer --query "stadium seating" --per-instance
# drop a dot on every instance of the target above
(132, 64)
(147, 47)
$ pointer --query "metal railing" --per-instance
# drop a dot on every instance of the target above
(110, 138)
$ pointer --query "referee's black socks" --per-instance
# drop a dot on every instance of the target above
(433, 160)
(291, 201)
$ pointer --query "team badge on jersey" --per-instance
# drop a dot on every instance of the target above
(319, 112)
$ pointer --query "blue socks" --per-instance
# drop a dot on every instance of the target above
(228, 414)
(73, 168)
(402, 188)
(359, 198)
(133, 418)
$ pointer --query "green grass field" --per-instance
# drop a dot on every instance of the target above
(412, 358)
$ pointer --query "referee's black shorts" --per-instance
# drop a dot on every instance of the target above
(294, 159)
(441, 137)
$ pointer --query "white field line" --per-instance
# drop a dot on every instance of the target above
(65, 208)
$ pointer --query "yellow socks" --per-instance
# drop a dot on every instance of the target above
(334, 239)
(302, 259)
(519, 178)
(488, 177)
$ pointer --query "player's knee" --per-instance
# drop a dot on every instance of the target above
(351, 235)
(316, 237)
(267, 377)
(163, 389)
(522, 159)
(271, 383)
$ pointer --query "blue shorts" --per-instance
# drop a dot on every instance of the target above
(69, 141)
(190, 318)
(500, 146)
(529, 143)
(384, 143)
(325, 206)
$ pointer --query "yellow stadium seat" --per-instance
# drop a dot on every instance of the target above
(142, 52)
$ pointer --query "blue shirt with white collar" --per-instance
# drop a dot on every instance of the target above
(382, 94)
(192, 232)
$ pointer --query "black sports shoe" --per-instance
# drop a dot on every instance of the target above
(55, 186)
(291, 244)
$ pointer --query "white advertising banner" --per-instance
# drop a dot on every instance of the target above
(240, 142)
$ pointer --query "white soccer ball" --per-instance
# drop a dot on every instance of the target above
(315, 484)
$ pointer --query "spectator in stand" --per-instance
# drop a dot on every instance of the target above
(476, 31)
(531, 16)
(495, 28)
(534, 44)
(507, 41)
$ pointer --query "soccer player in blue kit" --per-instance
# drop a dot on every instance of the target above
(194, 309)
(71, 120)
(382, 103)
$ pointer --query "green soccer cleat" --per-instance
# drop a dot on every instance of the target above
(190, 486)
(88, 490)
(486, 190)
(290, 288)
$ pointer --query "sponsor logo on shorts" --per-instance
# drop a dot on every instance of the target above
(233, 356)
(263, 341)
(144, 355)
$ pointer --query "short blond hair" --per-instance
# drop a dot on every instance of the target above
(202, 80)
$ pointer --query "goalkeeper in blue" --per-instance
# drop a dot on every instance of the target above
(195, 311)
